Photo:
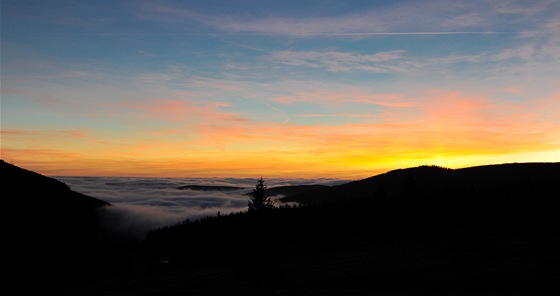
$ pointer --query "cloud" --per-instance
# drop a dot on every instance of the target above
(45, 133)
(482, 124)
(143, 204)
(186, 110)
(7, 91)
(437, 121)
(136, 220)
(347, 95)
(523, 8)
(341, 61)
(396, 62)
(351, 115)
(419, 125)
(425, 17)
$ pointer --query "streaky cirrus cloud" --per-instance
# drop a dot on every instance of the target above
(347, 96)
(235, 87)
(380, 62)
(185, 110)
(434, 17)
(432, 122)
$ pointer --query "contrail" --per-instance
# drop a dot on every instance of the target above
(286, 118)
(294, 34)
(423, 33)
(323, 34)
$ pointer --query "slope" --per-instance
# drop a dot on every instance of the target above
(53, 231)
(434, 180)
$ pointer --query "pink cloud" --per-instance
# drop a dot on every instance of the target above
(44, 133)
(450, 122)
(185, 111)
(211, 140)
(345, 96)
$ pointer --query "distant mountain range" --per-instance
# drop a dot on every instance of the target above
(55, 239)
(272, 191)
(209, 188)
(292, 189)
(418, 231)
(433, 180)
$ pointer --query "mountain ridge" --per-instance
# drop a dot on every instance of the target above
(56, 238)
(416, 231)
(31, 186)
(440, 239)
(433, 179)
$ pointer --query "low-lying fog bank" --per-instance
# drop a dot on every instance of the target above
(142, 204)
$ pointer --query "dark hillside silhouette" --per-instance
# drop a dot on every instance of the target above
(23, 181)
(419, 231)
(54, 235)
(436, 179)
(426, 230)
(270, 191)
(293, 189)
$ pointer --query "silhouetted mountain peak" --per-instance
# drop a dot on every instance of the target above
(434, 179)
(26, 188)
(14, 177)
(56, 238)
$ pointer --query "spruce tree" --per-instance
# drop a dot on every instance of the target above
(259, 200)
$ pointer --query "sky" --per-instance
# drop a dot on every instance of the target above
(309, 89)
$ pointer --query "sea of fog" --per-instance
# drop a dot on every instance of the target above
(143, 204)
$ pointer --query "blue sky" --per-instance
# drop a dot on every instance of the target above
(327, 88)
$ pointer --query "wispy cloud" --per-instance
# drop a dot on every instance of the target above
(350, 115)
(426, 17)
(346, 96)
(397, 62)
(442, 122)
(44, 133)
(185, 111)
(350, 88)
(336, 61)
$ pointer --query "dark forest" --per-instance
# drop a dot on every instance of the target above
(418, 231)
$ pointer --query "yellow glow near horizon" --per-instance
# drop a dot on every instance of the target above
(450, 130)
(345, 93)
(271, 164)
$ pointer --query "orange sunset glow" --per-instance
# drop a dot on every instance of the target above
(215, 103)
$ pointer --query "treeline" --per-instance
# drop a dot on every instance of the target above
(246, 238)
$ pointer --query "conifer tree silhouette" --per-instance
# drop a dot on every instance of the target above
(259, 200)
